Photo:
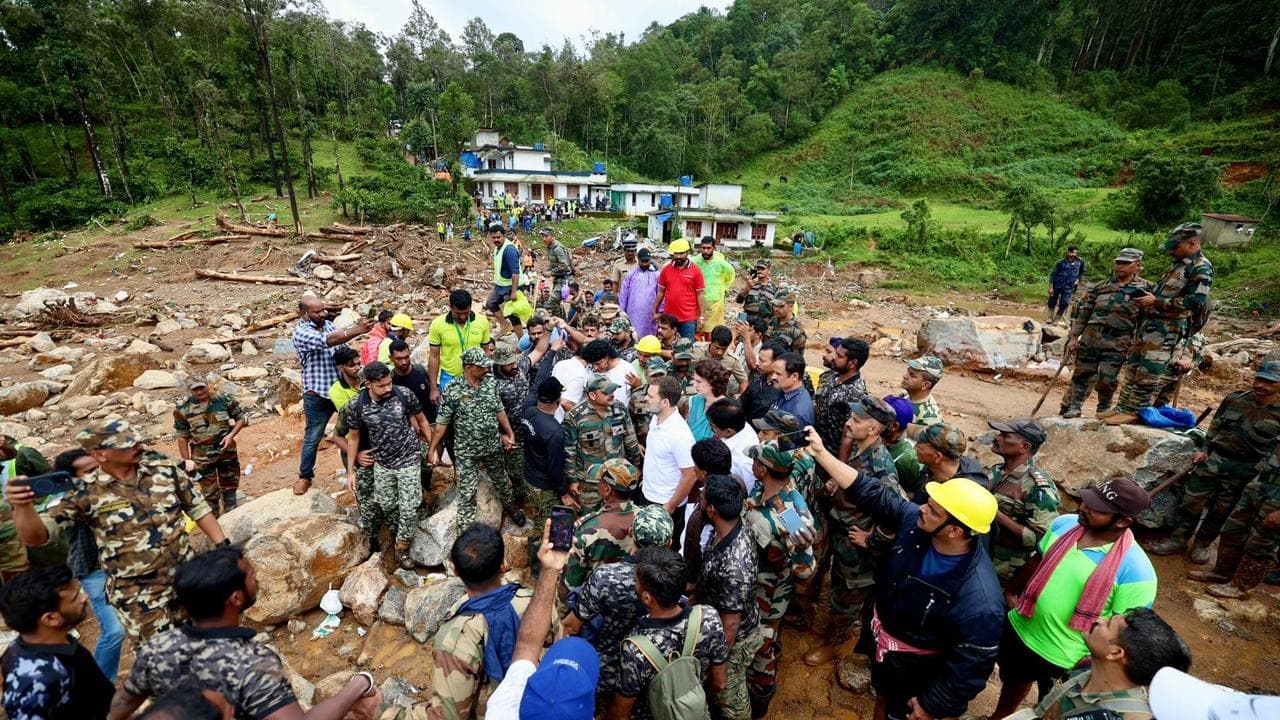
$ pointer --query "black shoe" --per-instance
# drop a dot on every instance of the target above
(517, 517)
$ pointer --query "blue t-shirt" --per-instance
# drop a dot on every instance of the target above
(935, 563)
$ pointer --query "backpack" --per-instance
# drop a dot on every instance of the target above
(676, 693)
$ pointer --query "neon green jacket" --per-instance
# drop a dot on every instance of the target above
(717, 273)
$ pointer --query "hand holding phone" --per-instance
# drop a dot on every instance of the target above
(799, 438)
(562, 519)
(51, 483)
(791, 520)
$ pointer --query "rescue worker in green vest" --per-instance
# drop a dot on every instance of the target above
(506, 270)
(15, 459)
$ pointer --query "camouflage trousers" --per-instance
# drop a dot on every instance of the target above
(772, 597)
(144, 608)
(610, 674)
(1213, 489)
(1147, 368)
(220, 475)
(734, 701)
(852, 574)
(1095, 368)
(467, 471)
(513, 459)
(1245, 525)
(390, 495)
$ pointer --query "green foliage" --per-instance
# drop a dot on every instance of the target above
(141, 222)
(401, 193)
(53, 205)
(1167, 188)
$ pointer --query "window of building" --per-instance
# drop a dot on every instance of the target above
(759, 231)
(693, 228)
(727, 231)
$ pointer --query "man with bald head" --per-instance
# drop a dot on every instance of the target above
(314, 338)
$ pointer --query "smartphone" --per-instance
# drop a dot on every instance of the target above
(791, 520)
(742, 317)
(562, 519)
(52, 483)
(799, 438)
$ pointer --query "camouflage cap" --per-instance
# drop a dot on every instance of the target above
(616, 473)
(786, 294)
(546, 230)
(764, 263)
(506, 354)
(873, 408)
(947, 438)
(602, 383)
(769, 455)
(929, 365)
(657, 366)
(1028, 428)
(1181, 234)
(1268, 370)
(683, 350)
(609, 311)
(108, 435)
(652, 526)
(778, 420)
(476, 356)
(620, 324)
(1130, 255)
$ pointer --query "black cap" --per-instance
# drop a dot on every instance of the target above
(1024, 426)
(1117, 495)
(549, 390)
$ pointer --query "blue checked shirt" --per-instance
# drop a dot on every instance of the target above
(318, 370)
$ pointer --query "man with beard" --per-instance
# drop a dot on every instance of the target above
(1027, 496)
(840, 386)
(636, 294)
(47, 672)
(718, 275)
(216, 588)
(757, 296)
(680, 290)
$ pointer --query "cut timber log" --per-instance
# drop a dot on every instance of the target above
(270, 322)
(265, 279)
(183, 236)
(227, 225)
(339, 228)
(167, 244)
(350, 257)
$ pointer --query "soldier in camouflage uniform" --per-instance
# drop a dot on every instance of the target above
(559, 268)
(682, 359)
(1027, 498)
(783, 428)
(757, 297)
(1241, 435)
(133, 503)
(511, 370)
(1102, 326)
(1176, 309)
(840, 386)
(481, 432)
(607, 607)
(603, 536)
(623, 340)
(207, 426)
(594, 431)
(784, 557)
(784, 329)
(655, 368)
(1189, 358)
(921, 377)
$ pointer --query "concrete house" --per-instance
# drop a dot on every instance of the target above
(716, 211)
(1221, 230)
(525, 173)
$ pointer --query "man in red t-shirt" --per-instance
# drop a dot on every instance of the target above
(680, 284)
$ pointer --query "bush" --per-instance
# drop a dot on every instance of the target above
(56, 205)
(1167, 188)
(401, 193)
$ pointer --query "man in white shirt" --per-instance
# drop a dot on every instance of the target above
(668, 465)
(573, 375)
(730, 425)
(602, 357)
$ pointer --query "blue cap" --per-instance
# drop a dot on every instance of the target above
(564, 685)
(903, 408)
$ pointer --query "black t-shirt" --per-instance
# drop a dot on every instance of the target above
(543, 451)
(419, 384)
(54, 682)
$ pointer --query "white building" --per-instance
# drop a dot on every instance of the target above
(525, 173)
(716, 211)
(638, 199)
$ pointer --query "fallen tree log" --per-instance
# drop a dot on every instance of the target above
(230, 227)
(339, 228)
(265, 279)
(329, 237)
(183, 236)
(350, 257)
(270, 322)
(167, 244)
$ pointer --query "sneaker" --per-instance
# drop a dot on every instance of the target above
(1071, 413)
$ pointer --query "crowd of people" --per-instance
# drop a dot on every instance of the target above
(716, 487)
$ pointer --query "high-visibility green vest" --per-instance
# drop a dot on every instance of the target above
(497, 265)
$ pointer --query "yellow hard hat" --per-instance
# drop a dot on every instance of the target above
(401, 320)
(649, 345)
(679, 246)
(968, 502)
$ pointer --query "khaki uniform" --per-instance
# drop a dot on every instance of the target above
(460, 688)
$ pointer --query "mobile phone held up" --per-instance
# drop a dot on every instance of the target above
(51, 483)
(799, 438)
(562, 519)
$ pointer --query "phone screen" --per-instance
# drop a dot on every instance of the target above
(562, 527)
(799, 438)
(790, 520)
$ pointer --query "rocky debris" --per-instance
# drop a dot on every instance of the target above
(40, 343)
(233, 321)
(248, 349)
(853, 673)
(515, 543)
(207, 354)
(363, 588)
(397, 692)
(391, 610)
(346, 318)
(436, 534)
(283, 347)
(298, 559)
(57, 372)
(141, 347)
(324, 272)
(331, 685)
(247, 373)
(167, 327)
(22, 396)
(156, 408)
(156, 380)
(995, 342)
(426, 607)
(109, 374)
(250, 518)
(32, 302)
(303, 689)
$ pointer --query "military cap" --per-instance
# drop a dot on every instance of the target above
(947, 438)
(927, 364)
(786, 294)
(197, 382)
(657, 366)
(1029, 429)
(652, 526)
(476, 356)
(629, 242)
(609, 310)
(1181, 234)
(546, 230)
(505, 354)
(874, 408)
(602, 383)
(1130, 255)
(764, 263)
(619, 324)
(779, 420)
(683, 350)
(108, 435)
(1269, 370)
(616, 472)
(769, 455)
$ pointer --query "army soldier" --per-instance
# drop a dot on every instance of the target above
(1190, 357)
(784, 557)
(1244, 428)
(559, 267)
(639, 412)
(840, 386)
(1102, 326)
(784, 328)
(1028, 499)
(15, 459)
(511, 371)
(207, 426)
(595, 431)
(603, 536)
(682, 359)
(717, 348)
(623, 342)
(1174, 311)
(922, 375)
(133, 503)
(757, 296)
(1250, 538)
(481, 433)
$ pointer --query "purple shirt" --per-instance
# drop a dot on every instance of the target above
(639, 290)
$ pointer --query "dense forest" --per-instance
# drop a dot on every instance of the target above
(110, 103)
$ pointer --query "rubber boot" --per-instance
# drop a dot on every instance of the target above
(1175, 544)
(229, 501)
(760, 706)
(823, 654)
(1071, 412)
(1251, 572)
(1224, 568)
(517, 515)
(1199, 553)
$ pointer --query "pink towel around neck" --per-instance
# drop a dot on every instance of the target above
(1096, 590)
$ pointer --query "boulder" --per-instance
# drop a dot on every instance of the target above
(283, 347)
(232, 320)
(57, 372)
(363, 588)
(391, 610)
(298, 559)
(14, 430)
(22, 397)
(141, 347)
(156, 380)
(248, 349)
(111, 373)
(156, 408)
(346, 318)
(436, 533)
(166, 327)
(101, 307)
(324, 272)
(32, 301)
(85, 402)
(996, 342)
(40, 343)
(251, 517)
(207, 354)
(247, 373)
(303, 689)
(426, 607)
(331, 685)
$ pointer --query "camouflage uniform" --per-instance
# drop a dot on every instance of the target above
(560, 268)
(139, 528)
(926, 411)
(728, 584)
(249, 674)
(591, 437)
(460, 688)
(603, 536)
(1180, 294)
(1193, 346)
(1245, 531)
(204, 425)
(729, 361)
(830, 405)
(397, 475)
(513, 391)
(369, 515)
(669, 637)
(758, 301)
(1068, 699)
(782, 560)
(787, 333)
(1030, 498)
(473, 412)
(636, 403)
(1104, 320)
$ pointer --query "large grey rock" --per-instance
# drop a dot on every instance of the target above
(426, 607)
(251, 517)
(298, 559)
(247, 373)
(391, 610)
(22, 397)
(111, 373)
(346, 318)
(303, 688)
(397, 692)
(156, 380)
(40, 343)
(141, 347)
(32, 301)
(996, 342)
(57, 372)
(283, 347)
(207, 354)
(167, 326)
(363, 588)
(436, 533)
